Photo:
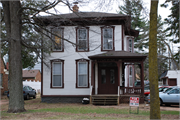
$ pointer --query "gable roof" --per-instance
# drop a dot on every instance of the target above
(30, 73)
(164, 74)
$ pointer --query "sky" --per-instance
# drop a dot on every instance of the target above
(111, 7)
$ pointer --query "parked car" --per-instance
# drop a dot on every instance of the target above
(147, 90)
(27, 92)
(169, 96)
(164, 88)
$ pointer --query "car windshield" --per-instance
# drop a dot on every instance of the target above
(167, 90)
(161, 89)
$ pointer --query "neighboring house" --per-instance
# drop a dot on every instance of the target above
(171, 77)
(3, 77)
(101, 62)
(32, 75)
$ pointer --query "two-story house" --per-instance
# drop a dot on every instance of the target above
(93, 55)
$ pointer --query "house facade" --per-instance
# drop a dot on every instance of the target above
(92, 54)
(171, 77)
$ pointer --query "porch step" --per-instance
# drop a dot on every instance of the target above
(104, 100)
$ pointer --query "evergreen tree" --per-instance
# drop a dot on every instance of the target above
(135, 9)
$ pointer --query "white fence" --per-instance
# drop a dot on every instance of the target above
(33, 84)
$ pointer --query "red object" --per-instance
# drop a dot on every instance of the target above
(146, 93)
(134, 101)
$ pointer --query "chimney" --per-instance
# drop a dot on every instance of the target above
(75, 7)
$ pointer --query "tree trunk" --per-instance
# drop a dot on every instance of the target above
(13, 27)
(153, 67)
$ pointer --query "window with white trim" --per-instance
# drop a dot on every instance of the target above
(82, 39)
(57, 44)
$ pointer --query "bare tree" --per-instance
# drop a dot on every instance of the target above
(153, 67)
(15, 16)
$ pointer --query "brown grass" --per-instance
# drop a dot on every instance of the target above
(35, 104)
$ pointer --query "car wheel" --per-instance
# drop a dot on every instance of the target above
(27, 97)
(161, 102)
(34, 96)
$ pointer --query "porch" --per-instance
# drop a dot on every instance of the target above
(116, 99)
(112, 77)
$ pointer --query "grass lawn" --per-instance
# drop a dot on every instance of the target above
(37, 110)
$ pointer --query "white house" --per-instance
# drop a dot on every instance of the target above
(171, 77)
(92, 55)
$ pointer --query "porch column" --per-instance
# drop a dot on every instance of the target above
(96, 78)
(92, 76)
(142, 78)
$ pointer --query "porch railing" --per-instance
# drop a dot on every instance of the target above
(131, 90)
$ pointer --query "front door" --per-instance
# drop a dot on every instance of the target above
(108, 80)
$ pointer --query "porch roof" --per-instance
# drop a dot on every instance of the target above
(124, 55)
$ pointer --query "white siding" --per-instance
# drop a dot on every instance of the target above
(70, 55)
(174, 74)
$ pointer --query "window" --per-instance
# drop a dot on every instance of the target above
(175, 91)
(107, 42)
(1, 79)
(130, 44)
(57, 73)
(82, 73)
(57, 45)
(130, 77)
(82, 35)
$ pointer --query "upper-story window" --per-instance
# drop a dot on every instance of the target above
(82, 39)
(107, 40)
(130, 44)
(57, 44)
